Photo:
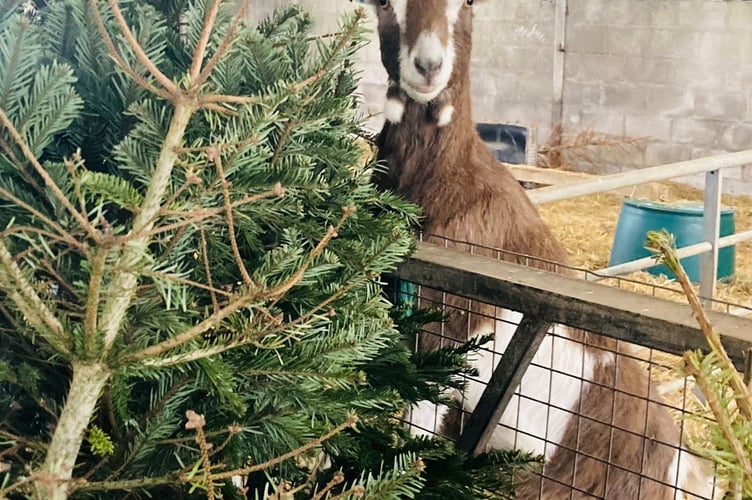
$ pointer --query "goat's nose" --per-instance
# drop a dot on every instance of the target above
(428, 67)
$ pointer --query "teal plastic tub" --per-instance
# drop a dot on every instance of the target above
(683, 220)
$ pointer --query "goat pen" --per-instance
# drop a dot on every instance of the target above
(544, 299)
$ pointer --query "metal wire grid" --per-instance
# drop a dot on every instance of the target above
(646, 357)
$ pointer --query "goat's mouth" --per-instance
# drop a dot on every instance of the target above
(420, 93)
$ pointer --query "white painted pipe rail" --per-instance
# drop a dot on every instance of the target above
(641, 176)
(708, 248)
(688, 251)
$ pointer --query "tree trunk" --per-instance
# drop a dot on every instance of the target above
(53, 480)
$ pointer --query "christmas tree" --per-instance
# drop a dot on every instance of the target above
(190, 260)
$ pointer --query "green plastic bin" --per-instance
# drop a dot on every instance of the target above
(683, 220)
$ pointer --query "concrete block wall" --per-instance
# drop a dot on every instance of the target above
(679, 72)
(676, 71)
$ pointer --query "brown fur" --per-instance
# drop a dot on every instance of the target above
(467, 195)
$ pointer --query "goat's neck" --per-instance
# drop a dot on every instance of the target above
(417, 148)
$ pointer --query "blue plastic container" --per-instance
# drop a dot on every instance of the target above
(684, 221)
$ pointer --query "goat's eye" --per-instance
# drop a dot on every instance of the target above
(383, 3)
(469, 2)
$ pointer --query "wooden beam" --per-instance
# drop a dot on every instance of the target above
(628, 316)
(504, 381)
(547, 176)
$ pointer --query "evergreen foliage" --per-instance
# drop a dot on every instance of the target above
(190, 258)
(727, 415)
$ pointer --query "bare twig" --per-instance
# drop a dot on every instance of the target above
(139, 51)
(216, 156)
(93, 297)
(48, 181)
(337, 478)
(200, 51)
(229, 37)
(207, 270)
(119, 61)
(350, 422)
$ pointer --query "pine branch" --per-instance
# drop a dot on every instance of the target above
(725, 421)
(663, 244)
(201, 214)
(350, 422)
(119, 61)
(23, 295)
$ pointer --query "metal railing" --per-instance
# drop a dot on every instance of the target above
(711, 244)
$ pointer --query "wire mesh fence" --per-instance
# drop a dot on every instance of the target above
(599, 409)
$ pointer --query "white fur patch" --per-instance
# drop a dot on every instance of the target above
(445, 115)
(393, 110)
(530, 420)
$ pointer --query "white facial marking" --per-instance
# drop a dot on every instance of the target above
(400, 12)
(428, 53)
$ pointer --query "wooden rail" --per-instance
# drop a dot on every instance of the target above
(620, 314)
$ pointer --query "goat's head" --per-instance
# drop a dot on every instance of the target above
(418, 46)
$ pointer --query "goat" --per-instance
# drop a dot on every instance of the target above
(597, 413)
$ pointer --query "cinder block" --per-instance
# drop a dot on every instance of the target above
(606, 122)
(668, 100)
(586, 39)
(661, 153)
(701, 16)
(702, 133)
(627, 40)
(586, 96)
(594, 68)
(698, 153)
(682, 44)
(737, 137)
(656, 128)
(729, 47)
(651, 70)
(623, 96)
(719, 104)
(738, 16)
(663, 14)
